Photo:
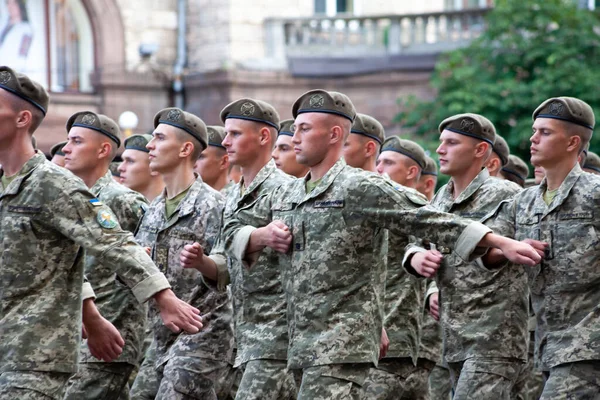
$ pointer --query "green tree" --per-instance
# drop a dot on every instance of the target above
(529, 51)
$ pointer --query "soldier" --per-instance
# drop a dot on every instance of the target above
(516, 170)
(499, 157)
(183, 366)
(361, 148)
(592, 163)
(483, 313)
(93, 142)
(135, 170)
(428, 179)
(213, 163)
(258, 297)
(45, 210)
(283, 154)
(399, 375)
(561, 212)
(330, 221)
(56, 154)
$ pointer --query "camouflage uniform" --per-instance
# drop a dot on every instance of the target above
(564, 287)
(483, 313)
(47, 211)
(182, 366)
(116, 303)
(259, 304)
(530, 384)
(399, 375)
(334, 283)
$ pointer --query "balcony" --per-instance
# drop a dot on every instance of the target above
(350, 45)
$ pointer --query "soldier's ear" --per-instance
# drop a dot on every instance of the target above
(370, 148)
(336, 134)
(574, 143)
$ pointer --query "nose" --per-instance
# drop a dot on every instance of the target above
(226, 141)
(121, 167)
(150, 145)
(441, 149)
(67, 148)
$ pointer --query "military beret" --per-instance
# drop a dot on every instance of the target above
(567, 109)
(57, 149)
(322, 101)
(473, 125)
(22, 86)
(406, 147)
(138, 142)
(251, 110)
(368, 126)
(97, 122)
(185, 121)
(286, 128)
(501, 148)
(430, 167)
(114, 169)
(517, 168)
(592, 161)
(216, 134)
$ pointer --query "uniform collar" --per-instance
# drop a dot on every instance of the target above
(325, 181)
(31, 164)
(470, 190)
(563, 190)
(101, 183)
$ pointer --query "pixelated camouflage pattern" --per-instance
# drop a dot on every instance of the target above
(114, 300)
(334, 287)
(484, 378)
(397, 379)
(579, 380)
(267, 380)
(482, 312)
(99, 381)
(565, 286)
(259, 302)
(431, 331)
(440, 386)
(46, 219)
(33, 385)
(333, 382)
(197, 218)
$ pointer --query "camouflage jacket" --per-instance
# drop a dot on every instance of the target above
(258, 299)
(47, 215)
(196, 219)
(114, 299)
(565, 287)
(431, 332)
(482, 312)
(335, 286)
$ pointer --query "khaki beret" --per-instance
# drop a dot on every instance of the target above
(216, 134)
(567, 109)
(251, 110)
(286, 128)
(138, 142)
(592, 161)
(57, 149)
(322, 101)
(501, 148)
(430, 167)
(185, 121)
(406, 147)
(97, 122)
(517, 168)
(368, 126)
(22, 86)
(473, 125)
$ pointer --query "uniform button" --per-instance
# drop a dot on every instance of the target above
(297, 246)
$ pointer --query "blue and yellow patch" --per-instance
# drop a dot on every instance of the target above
(106, 218)
(96, 202)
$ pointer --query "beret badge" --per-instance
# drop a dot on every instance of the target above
(316, 101)
(247, 109)
(555, 108)
(174, 115)
(467, 125)
(88, 119)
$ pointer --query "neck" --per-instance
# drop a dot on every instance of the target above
(91, 177)
(429, 195)
(556, 173)
(369, 165)
(250, 171)
(154, 188)
(220, 183)
(15, 153)
(319, 170)
(463, 180)
(178, 179)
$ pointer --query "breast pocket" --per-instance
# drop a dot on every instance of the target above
(529, 227)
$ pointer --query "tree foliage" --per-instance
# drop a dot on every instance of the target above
(529, 51)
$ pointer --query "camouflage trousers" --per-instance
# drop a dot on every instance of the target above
(267, 380)
(440, 385)
(578, 380)
(98, 381)
(33, 385)
(484, 378)
(333, 382)
(529, 384)
(180, 378)
(398, 378)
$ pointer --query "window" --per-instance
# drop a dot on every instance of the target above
(333, 7)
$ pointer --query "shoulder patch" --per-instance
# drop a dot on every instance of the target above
(96, 202)
(416, 198)
(106, 218)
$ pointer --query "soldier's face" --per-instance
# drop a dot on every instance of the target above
(354, 150)
(212, 163)
(549, 142)
(285, 158)
(456, 151)
(394, 165)
(135, 169)
(311, 138)
(242, 141)
(165, 149)
(83, 149)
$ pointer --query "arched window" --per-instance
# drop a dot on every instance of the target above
(50, 40)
